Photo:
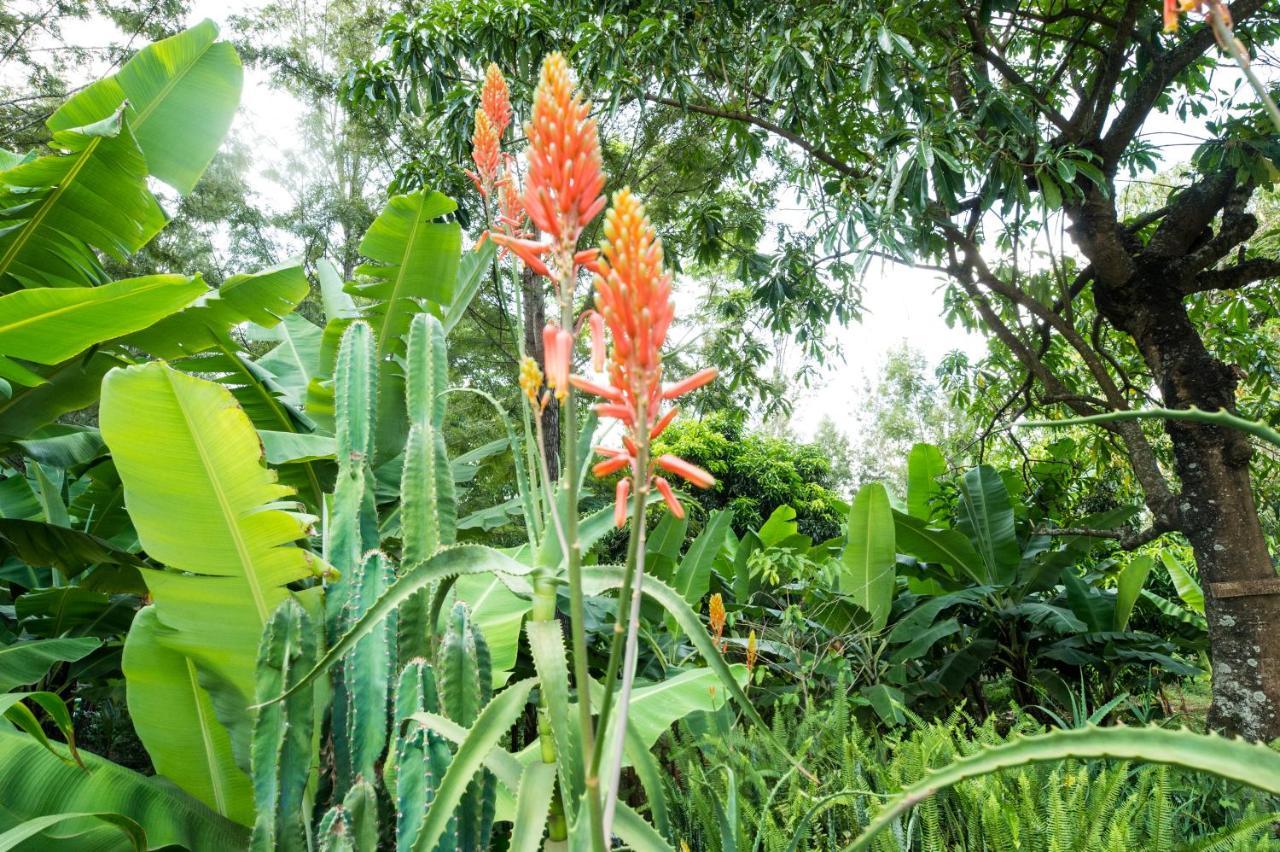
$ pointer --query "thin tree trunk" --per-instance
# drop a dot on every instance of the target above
(533, 299)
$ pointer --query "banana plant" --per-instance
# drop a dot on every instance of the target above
(980, 587)
(196, 646)
(163, 115)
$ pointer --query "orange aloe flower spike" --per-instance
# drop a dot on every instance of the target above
(495, 99)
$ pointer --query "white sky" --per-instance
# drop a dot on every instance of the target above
(899, 303)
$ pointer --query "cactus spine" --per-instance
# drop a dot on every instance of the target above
(282, 746)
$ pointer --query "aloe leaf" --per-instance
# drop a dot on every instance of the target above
(497, 716)
(537, 783)
(1234, 760)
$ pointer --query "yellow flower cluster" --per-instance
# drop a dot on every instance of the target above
(530, 379)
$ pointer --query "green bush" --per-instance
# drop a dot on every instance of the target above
(756, 473)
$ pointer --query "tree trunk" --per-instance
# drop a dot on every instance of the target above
(1216, 508)
(533, 299)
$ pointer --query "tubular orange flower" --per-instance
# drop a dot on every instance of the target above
(620, 503)
(563, 190)
(612, 465)
(557, 350)
(591, 387)
(597, 340)
(527, 250)
(633, 299)
(486, 154)
(495, 99)
(661, 425)
(692, 383)
(668, 496)
(691, 473)
(751, 651)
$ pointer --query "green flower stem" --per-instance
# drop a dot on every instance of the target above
(577, 608)
(635, 554)
(628, 670)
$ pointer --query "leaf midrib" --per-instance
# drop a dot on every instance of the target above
(233, 520)
(88, 304)
(33, 223)
(394, 300)
(216, 779)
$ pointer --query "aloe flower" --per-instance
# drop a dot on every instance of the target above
(633, 298)
(485, 153)
(563, 189)
(495, 99)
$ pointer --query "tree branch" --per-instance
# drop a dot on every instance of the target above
(1244, 273)
(814, 150)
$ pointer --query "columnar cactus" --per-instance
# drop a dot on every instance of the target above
(283, 744)
(377, 746)
(466, 685)
(352, 530)
(365, 677)
(428, 507)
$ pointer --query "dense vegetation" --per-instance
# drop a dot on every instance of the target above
(478, 524)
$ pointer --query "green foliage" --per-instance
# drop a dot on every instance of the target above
(1062, 804)
(757, 474)
(867, 563)
(35, 784)
(986, 592)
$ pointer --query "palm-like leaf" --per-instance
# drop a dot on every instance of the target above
(56, 210)
(415, 265)
(35, 783)
(187, 743)
(203, 504)
(263, 298)
(179, 95)
(49, 325)
(163, 115)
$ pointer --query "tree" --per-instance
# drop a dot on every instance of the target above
(756, 474)
(902, 408)
(966, 137)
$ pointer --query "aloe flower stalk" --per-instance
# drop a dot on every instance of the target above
(562, 194)
(486, 154)
(633, 299)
